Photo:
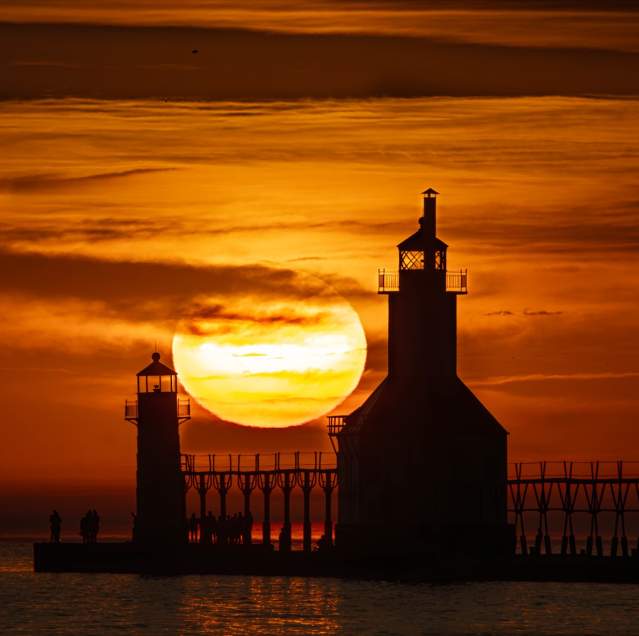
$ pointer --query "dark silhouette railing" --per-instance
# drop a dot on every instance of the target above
(258, 462)
(266, 472)
(569, 504)
(184, 408)
(335, 426)
(457, 282)
(388, 281)
(561, 508)
(130, 409)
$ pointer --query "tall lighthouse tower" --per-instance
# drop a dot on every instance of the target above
(158, 413)
(422, 462)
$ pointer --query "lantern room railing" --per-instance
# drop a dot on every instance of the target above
(131, 410)
(457, 282)
(388, 281)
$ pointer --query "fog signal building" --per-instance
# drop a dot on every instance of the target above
(422, 463)
(160, 492)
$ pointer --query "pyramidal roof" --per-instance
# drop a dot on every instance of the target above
(156, 367)
(415, 242)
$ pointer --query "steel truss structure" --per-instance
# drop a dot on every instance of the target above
(583, 507)
(266, 473)
(572, 508)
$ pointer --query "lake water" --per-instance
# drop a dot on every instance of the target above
(129, 604)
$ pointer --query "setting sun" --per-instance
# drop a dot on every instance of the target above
(271, 363)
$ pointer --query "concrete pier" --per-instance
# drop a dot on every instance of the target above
(259, 560)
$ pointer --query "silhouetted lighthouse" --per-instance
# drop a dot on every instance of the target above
(422, 462)
(158, 412)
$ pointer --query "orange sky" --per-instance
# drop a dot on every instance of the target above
(116, 213)
(563, 23)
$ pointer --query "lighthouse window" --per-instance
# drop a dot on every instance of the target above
(157, 384)
(167, 383)
(440, 259)
(411, 260)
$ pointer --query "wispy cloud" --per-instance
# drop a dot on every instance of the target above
(497, 381)
(133, 288)
(587, 23)
(525, 312)
(46, 181)
(541, 312)
(216, 319)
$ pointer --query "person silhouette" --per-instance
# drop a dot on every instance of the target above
(248, 527)
(284, 540)
(85, 527)
(55, 525)
(209, 527)
(94, 525)
(134, 529)
(234, 528)
(322, 544)
(221, 529)
(193, 528)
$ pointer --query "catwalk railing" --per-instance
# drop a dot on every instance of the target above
(571, 508)
(266, 472)
(566, 508)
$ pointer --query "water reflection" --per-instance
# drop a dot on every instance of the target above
(107, 604)
(240, 605)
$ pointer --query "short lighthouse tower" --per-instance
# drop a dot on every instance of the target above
(422, 462)
(158, 413)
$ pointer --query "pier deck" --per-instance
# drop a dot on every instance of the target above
(257, 560)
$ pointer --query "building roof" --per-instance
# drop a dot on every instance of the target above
(156, 367)
(444, 404)
(430, 191)
(415, 242)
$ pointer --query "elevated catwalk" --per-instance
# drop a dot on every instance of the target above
(576, 521)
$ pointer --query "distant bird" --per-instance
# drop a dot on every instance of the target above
(194, 51)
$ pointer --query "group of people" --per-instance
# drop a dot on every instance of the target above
(223, 530)
(90, 526)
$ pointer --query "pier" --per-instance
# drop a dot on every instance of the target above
(574, 521)
(417, 487)
(557, 508)
(583, 506)
(266, 474)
